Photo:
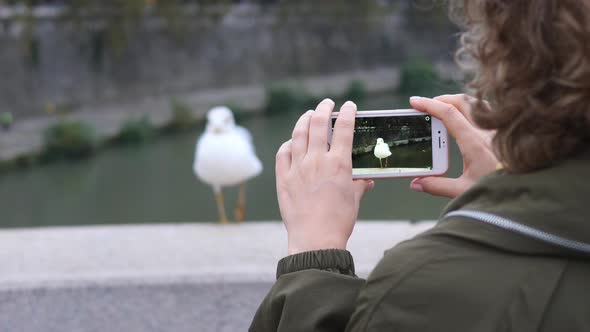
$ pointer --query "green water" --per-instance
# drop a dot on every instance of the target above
(154, 183)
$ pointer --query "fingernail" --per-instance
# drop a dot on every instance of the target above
(417, 187)
(309, 111)
(371, 184)
(415, 99)
(328, 100)
(349, 104)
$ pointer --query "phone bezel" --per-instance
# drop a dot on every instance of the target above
(440, 155)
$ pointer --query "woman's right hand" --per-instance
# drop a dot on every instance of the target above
(475, 144)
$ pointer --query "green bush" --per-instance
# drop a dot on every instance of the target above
(70, 140)
(136, 131)
(6, 120)
(240, 114)
(356, 92)
(419, 78)
(280, 99)
(6, 165)
(309, 102)
(182, 117)
(25, 161)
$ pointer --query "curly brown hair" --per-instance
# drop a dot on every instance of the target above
(531, 60)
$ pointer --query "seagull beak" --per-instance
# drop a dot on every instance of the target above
(217, 130)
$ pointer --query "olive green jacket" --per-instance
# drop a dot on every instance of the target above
(462, 275)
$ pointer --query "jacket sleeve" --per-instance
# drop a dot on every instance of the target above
(315, 291)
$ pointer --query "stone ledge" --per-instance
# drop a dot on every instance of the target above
(161, 253)
(176, 277)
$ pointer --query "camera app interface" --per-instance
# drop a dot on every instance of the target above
(392, 144)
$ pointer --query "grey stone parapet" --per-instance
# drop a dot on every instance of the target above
(174, 277)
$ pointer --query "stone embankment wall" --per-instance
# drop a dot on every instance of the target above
(69, 63)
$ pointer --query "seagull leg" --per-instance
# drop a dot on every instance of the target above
(220, 207)
(386, 161)
(240, 211)
(380, 163)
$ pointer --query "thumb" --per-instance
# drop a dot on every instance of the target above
(438, 186)
(362, 186)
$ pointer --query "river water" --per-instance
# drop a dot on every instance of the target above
(154, 183)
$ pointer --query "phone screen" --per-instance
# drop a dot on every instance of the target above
(392, 144)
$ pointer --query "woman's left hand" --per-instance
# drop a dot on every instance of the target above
(318, 199)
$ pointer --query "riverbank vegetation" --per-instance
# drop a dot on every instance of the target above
(283, 98)
(73, 140)
(69, 140)
(420, 78)
(6, 120)
(136, 131)
(182, 117)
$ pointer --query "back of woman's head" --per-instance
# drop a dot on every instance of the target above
(532, 61)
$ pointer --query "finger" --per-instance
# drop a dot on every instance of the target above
(318, 127)
(283, 159)
(361, 187)
(437, 186)
(454, 121)
(300, 137)
(344, 130)
(462, 102)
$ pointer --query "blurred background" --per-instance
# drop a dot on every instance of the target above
(102, 102)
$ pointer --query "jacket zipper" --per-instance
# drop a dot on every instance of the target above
(513, 226)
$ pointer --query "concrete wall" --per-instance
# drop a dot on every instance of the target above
(70, 63)
(179, 277)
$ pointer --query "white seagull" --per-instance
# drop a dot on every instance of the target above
(381, 151)
(225, 156)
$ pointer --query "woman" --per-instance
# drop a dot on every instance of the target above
(512, 250)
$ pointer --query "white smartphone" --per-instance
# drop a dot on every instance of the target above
(397, 144)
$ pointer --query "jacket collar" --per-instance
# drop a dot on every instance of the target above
(555, 200)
